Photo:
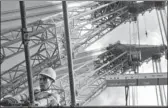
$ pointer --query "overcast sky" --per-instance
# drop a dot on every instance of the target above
(122, 32)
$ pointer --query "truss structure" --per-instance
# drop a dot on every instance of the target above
(88, 23)
(137, 79)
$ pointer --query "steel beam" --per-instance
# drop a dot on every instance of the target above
(69, 54)
(20, 78)
(92, 83)
(99, 89)
(63, 69)
(97, 30)
(26, 50)
(144, 79)
(30, 34)
(40, 26)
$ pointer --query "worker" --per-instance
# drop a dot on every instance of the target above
(46, 94)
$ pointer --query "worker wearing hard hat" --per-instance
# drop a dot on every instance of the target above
(46, 96)
(47, 77)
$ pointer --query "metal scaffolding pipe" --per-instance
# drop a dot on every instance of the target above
(69, 53)
(26, 50)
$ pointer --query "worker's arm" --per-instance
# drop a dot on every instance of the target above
(52, 100)
(20, 98)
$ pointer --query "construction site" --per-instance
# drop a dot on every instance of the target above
(101, 53)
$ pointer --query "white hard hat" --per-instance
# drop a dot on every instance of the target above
(49, 72)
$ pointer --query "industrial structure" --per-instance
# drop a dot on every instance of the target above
(59, 40)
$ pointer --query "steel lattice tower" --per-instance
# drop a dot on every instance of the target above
(88, 23)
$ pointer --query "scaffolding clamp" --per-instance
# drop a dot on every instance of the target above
(25, 38)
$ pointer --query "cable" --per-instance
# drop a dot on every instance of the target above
(138, 43)
(146, 33)
(126, 94)
(135, 91)
(160, 28)
(155, 85)
(136, 88)
(133, 96)
(130, 39)
(134, 38)
(161, 97)
(164, 94)
(165, 13)
(129, 95)
(138, 32)
(163, 23)
(130, 34)
(157, 95)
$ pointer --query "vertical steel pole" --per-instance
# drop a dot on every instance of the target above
(69, 53)
(25, 40)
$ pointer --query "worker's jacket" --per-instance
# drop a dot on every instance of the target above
(47, 98)
(42, 98)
